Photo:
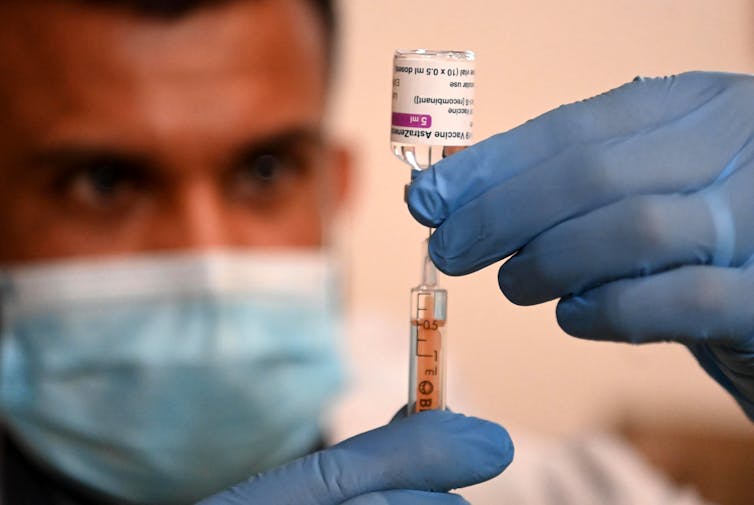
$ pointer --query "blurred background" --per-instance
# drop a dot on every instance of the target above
(516, 366)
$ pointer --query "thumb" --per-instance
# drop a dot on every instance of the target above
(431, 451)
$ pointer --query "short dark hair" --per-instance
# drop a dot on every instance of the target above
(170, 9)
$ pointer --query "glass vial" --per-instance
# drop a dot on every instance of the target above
(433, 104)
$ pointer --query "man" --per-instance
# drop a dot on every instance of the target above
(168, 301)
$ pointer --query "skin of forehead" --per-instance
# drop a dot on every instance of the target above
(73, 71)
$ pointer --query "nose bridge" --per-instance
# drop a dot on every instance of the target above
(194, 217)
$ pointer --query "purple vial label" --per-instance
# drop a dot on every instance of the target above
(412, 120)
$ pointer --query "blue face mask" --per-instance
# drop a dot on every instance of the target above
(164, 379)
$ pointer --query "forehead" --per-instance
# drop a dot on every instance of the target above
(252, 65)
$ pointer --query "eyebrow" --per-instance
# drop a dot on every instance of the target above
(71, 153)
(285, 141)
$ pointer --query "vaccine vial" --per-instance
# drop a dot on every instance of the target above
(433, 105)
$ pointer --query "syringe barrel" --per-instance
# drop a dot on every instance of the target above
(427, 366)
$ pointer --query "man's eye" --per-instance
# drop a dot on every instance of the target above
(267, 169)
(267, 178)
(102, 184)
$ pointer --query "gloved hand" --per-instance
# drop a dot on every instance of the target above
(635, 207)
(412, 461)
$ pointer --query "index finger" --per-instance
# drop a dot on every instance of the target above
(636, 106)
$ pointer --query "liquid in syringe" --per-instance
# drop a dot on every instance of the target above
(426, 387)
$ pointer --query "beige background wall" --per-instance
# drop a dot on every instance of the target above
(520, 368)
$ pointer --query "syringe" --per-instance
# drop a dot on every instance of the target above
(432, 117)
(426, 390)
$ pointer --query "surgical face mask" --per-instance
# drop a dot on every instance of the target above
(164, 379)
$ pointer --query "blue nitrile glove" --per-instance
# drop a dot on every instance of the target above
(635, 207)
(411, 461)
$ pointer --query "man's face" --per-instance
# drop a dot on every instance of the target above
(123, 134)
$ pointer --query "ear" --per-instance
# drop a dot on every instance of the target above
(340, 178)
